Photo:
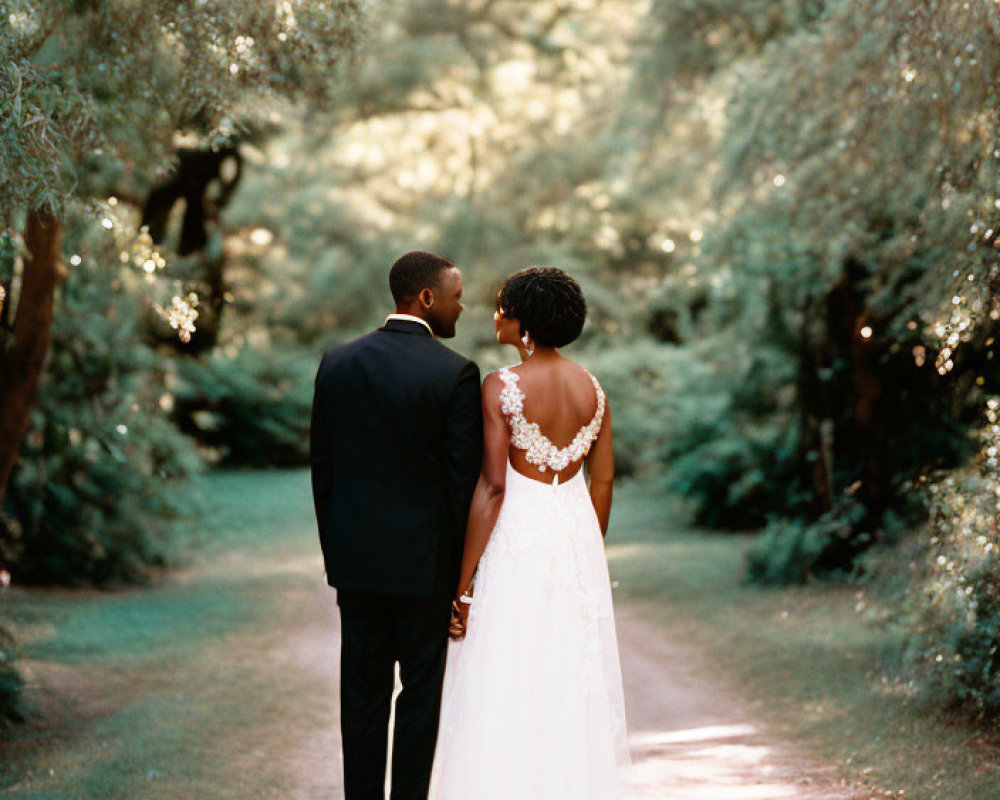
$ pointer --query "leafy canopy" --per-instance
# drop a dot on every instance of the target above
(89, 87)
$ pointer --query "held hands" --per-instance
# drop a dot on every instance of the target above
(459, 620)
(459, 623)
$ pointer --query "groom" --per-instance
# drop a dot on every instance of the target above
(396, 443)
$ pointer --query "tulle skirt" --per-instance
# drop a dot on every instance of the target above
(533, 706)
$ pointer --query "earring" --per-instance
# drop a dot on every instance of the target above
(526, 339)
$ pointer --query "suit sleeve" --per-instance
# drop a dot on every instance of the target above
(464, 444)
(320, 457)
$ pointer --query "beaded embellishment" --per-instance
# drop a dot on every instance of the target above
(528, 436)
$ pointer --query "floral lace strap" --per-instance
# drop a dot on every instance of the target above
(528, 436)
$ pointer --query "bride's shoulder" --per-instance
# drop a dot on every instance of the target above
(499, 393)
(504, 376)
(495, 381)
(581, 371)
(587, 383)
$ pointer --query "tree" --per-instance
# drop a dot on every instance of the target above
(859, 174)
(94, 93)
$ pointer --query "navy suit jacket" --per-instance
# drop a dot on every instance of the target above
(396, 446)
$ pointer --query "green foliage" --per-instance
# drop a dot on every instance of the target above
(98, 89)
(735, 447)
(252, 409)
(892, 161)
(102, 472)
(92, 97)
(11, 681)
(646, 386)
(951, 606)
(855, 173)
(791, 551)
(735, 474)
(697, 37)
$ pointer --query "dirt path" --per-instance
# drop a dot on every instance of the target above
(220, 683)
(690, 740)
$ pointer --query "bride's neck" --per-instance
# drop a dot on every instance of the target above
(545, 354)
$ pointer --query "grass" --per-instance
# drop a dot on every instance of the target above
(820, 673)
(180, 690)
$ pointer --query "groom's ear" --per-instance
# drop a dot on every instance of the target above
(426, 298)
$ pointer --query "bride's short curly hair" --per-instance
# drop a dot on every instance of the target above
(547, 302)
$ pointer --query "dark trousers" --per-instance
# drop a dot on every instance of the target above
(377, 630)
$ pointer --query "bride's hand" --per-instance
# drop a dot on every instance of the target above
(459, 619)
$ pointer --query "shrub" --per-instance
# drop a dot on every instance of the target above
(101, 471)
(10, 681)
(647, 385)
(793, 550)
(252, 409)
(737, 473)
(733, 446)
(952, 611)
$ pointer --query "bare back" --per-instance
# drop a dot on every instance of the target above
(562, 399)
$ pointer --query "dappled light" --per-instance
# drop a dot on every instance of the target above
(712, 762)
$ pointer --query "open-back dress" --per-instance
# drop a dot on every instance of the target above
(533, 706)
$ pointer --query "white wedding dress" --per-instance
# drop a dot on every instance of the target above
(533, 706)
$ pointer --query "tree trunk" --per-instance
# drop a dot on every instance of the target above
(869, 416)
(862, 435)
(22, 360)
(814, 456)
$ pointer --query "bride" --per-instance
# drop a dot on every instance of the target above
(533, 706)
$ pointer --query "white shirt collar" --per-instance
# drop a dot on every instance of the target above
(410, 318)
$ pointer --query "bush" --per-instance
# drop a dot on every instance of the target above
(737, 473)
(733, 448)
(10, 681)
(252, 409)
(101, 472)
(792, 551)
(952, 611)
(647, 386)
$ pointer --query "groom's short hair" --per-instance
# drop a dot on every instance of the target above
(414, 272)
